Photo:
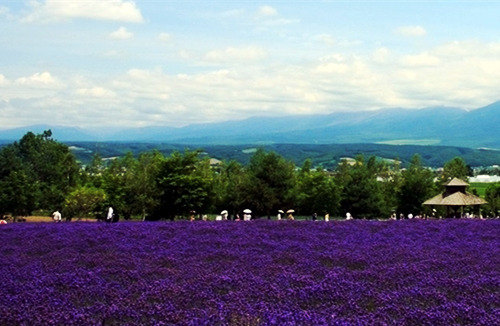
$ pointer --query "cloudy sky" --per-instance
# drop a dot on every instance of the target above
(138, 63)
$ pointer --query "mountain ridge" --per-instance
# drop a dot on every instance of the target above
(441, 125)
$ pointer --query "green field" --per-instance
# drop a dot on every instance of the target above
(480, 187)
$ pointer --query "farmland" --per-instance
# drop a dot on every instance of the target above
(436, 272)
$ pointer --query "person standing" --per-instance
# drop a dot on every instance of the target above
(327, 217)
(109, 217)
(247, 215)
(191, 215)
(57, 216)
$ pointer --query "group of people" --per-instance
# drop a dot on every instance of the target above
(410, 216)
(247, 215)
(110, 216)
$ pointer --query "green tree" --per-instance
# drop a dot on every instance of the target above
(185, 183)
(85, 201)
(455, 168)
(141, 183)
(229, 187)
(114, 183)
(361, 192)
(270, 182)
(316, 191)
(391, 185)
(492, 196)
(92, 173)
(417, 186)
(36, 173)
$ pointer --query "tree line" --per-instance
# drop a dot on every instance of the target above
(39, 173)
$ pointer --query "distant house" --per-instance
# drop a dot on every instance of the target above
(456, 197)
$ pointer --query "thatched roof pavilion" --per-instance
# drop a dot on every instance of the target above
(455, 196)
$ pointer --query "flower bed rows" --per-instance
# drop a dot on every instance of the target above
(251, 273)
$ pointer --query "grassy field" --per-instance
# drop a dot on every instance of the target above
(480, 187)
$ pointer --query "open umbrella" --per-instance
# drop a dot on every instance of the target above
(224, 212)
(247, 211)
(290, 211)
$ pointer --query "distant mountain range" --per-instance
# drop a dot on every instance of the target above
(428, 126)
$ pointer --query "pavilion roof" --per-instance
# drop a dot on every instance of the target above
(456, 199)
(457, 182)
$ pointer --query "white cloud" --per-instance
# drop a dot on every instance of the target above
(268, 16)
(381, 55)
(234, 54)
(98, 92)
(3, 80)
(411, 31)
(164, 37)
(267, 11)
(42, 80)
(121, 34)
(421, 60)
(465, 77)
(468, 48)
(325, 38)
(114, 10)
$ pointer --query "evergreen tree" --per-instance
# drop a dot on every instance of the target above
(455, 168)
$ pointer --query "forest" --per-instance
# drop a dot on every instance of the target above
(325, 155)
(37, 173)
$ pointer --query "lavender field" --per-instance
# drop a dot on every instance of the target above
(251, 273)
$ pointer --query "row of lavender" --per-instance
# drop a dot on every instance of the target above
(257, 273)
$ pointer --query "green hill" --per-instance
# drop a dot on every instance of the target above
(327, 155)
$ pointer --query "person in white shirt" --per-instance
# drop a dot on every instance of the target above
(109, 217)
(57, 216)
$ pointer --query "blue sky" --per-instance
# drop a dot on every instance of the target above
(121, 63)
